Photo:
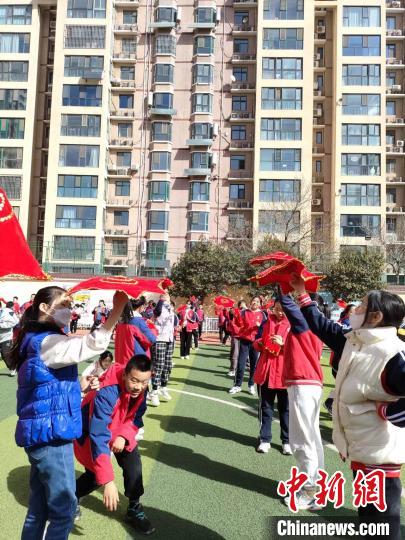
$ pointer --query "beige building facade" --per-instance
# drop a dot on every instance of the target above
(131, 129)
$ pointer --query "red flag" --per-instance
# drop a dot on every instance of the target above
(134, 287)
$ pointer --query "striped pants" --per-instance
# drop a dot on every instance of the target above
(162, 353)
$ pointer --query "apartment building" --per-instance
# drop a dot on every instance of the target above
(130, 129)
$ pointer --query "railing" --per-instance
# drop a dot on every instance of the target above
(119, 202)
(124, 56)
(244, 28)
(394, 61)
(237, 204)
(126, 27)
(240, 174)
(123, 84)
(242, 86)
(244, 57)
(394, 32)
(241, 144)
(122, 112)
(122, 142)
(242, 115)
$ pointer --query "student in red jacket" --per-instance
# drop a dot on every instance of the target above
(188, 323)
(108, 427)
(249, 323)
(233, 329)
(268, 377)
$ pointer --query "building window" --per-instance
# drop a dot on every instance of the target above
(75, 217)
(357, 16)
(280, 129)
(13, 71)
(203, 74)
(279, 190)
(124, 130)
(241, 45)
(84, 66)
(158, 191)
(160, 161)
(81, 95)
(74, 248)
(361, 134)
(163, 100)
(198, 221)
(128, 45)
(119, 247)
(156, 250)
(199, 191)
(391, 195)
(123, 159)
(391, 108)
(127, 73)
(122, 188)
(239, 103)
(12, 186)
(162, 131)
(361, 45)
(158, 220)
(240, 74)
(11, 158)
(318, 166)
(202, 103)
(13, 100)
(360, 164)
(163, 73)
(129, 17)
(80, 125)
(282, 98)
(283, 222)
(204, 15)
(360, 195)
(201, 130)
(12, 128)
(282, 68)
(238, 163)
(201, 160)
(283, 38)
(390, 79)
(121, 217)
(241, 18)
(86, 9)
(15, 14)
(14, 43)
(361, 75)
(361, 104)
(280, 159)
(319, 138)
(84, 37)
(70, 185)
(390, 50)
(283, 10)
(75, 155)
(165, 45)
(204, 45)
(165, 14)
(238, 133)
(360, 225)
(126, 101)
(237, 191)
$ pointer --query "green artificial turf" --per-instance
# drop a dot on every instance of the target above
(203, 478)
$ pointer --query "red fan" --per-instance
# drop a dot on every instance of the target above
(341, 303)
(224, 301)
(134, 287)
(276, 256)
(16, 259)
(283, 273)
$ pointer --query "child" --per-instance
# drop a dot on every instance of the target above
(95, 369)
(48, 406)
(371, 371)
(268, 377)
(233, 329)
(188, 321)
(108, 426)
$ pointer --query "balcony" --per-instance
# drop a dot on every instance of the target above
(393, 121)
(203, 25)
(395, 89)
(319, 94)
(122, 142)
(243, 29)
(241, 145)
(242, 117)
(318, 151)
(394, 62)
(116, 232)
(245, 3)
(243, 58)
(318, 179)
(199, 171)
(395, 180)
(162, 25)
(394, 5)
(118, 84)
(244, 87)
(119, 203)
(156, 263)
(395, 149)
(162, 111)
(240, 175)
(113, 262)
(240, 205)
(395, 209)
(319, 63)
(126, 29)
(120, 172)
(117, 114)
(126, 3)
(199, 142)
(396, 33)
(124, 57)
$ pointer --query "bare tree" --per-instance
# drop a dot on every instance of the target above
(394, 244)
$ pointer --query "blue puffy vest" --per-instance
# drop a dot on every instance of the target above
(48, 400)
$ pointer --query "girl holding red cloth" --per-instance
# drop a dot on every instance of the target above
(268, 377)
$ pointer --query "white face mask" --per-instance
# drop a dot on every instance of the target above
(62, 316)
(356, 321)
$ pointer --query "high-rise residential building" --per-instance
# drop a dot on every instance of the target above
(130, 129)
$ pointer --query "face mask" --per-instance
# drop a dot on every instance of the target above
(356, 321)
(61, 317)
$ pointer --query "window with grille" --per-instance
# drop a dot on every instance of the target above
(84, 37)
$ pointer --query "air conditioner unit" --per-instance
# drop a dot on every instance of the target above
(395, 4)
(400, 143)
(316, 63)
(399, 120)
(396, 87)
(143, 247)
(390, 148)
(318, 112)
(399, 149)
(52, 25)
(178, 14)
(215, 130)
(316, 202)
(214, 159)
(150, 99)
(321, 29)
(317, 56)
(218, 15)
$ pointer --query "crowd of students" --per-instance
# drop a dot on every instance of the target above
(101, 415)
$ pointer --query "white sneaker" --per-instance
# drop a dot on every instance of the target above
(235, 389)
(197, 349)
(304, 501)
(286, 449)
(263, 448)
(231, 373)
(13, 372)
(187, 357)
(164, 393)
(182, 357)
(154, 398)
(252, 390)
(140, 435)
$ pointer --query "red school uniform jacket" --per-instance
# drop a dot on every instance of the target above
(269, 369)
(106, 414)
(249, 323)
